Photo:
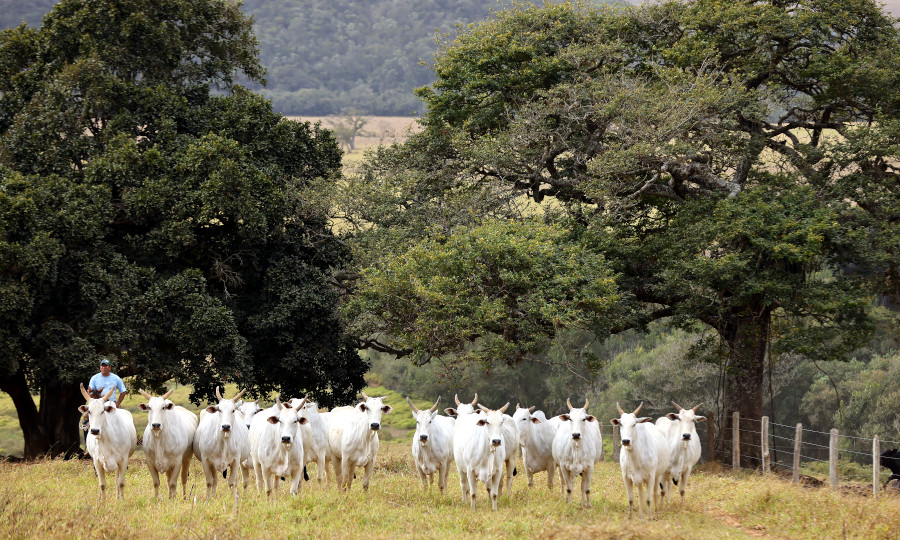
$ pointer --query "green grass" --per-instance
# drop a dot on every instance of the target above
(59, 498)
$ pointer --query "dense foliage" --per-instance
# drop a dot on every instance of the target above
(733, 162)
(145, 219)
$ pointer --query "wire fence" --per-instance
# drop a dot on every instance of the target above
(807, 455)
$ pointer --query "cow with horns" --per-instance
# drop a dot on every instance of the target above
(111, 439)
(684, 444)
(353, 439)
(168, 441)
(576, 446)
(276, 446)
(644, 459)
(432, 444)
(221, 442)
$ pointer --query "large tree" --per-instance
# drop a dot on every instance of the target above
(734, 162)
(147, 217)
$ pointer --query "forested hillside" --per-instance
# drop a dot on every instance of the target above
(327, 56)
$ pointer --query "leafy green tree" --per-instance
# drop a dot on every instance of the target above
(146, 219)
(734, 162)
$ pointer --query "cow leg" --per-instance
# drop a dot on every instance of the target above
(370, 468)
(101, 478)
(567, 481)
(120, 479)
(641, 487)
(211, 479)
(296, 478)
(510, 465)
(185, 471)
(586, 487)
(442, 477)
(463, 484)
(154, 474)
(234, 471)
(629, 488)
(172, 480)
(245, 473)
(682, 483)
(422, 478)
(347, 471)
(260, 479)
(496, 480)
(652, 490)
(473, 486)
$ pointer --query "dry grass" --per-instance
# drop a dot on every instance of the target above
(59, 498)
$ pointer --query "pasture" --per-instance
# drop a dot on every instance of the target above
(59, 498)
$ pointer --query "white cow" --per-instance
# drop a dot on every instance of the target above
(247, 410)
(353, 439)
(276, 446)
(644, 459)
(221, 442)
(168, 441)
(576, 446)
(111, 439)
(536, 441)
(511, 451)
(315, 438)
(684, 444)
(462, 408)
(432, 444)
(478, 447)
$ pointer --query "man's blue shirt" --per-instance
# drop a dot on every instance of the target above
(99, 382)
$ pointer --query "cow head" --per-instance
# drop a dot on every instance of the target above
(156, 408)
(225, 410)
(423, 421)
(373, 408)
(462, 408)
(627, 423)
(493, 422)
(96, 410)
(248, 409)
(523, 419)
(288, 420)
(578, 417)
(685, 420)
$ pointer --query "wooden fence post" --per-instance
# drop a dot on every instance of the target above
(764, 444)
(735, 440)
(876, 466)
(798, 442)
(616, 443)
(710, 437)
(602, 449)
(833, 458)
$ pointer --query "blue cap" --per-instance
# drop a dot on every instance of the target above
(104, 362)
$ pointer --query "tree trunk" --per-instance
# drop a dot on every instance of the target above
(59, 417)
(53, 430)
(746, 337)
(36, 441)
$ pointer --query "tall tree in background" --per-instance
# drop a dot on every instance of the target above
(145, 219)
(734, 162)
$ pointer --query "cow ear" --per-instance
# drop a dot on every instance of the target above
(169, 406)
(564, 417)
(109, 408)
(614, 421)
(143, 406)
(212, 409)
(590, 418)
(450, 411)
(387, 409)
(362, 407)
(83, 409)
(700, 419)
(482, 422)
(672, 416)
(272, 419)
(535, 420)
(302, 420)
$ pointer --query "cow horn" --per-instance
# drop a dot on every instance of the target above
(411, 406)
(435, 406)
(84, 393)
(145, 394)
(483, 408)
(302, 403)
(619, 408)
(456, 397)
(586, 403)
(237, 397)
(475, 399)
(503, 408)
(636, 411)
(111, 390)
(677, 406)
(278, 404)
(218, 394)
(167, 394)
(364, 395)
(697, 407)
(569, 403)
(531, 409)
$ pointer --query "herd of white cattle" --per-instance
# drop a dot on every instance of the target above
(233, 436)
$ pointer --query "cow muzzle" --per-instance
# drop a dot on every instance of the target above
(496, 442)
(423, 439)
(156, 427)
(286, 439)
(686, 436)
(95, 431)
(576, 436)
(626, 443)
(226, 427)
(375, 426)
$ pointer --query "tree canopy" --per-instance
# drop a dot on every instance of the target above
(734, 163)
(146, 219)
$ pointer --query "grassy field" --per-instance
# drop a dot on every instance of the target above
(57, 498)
